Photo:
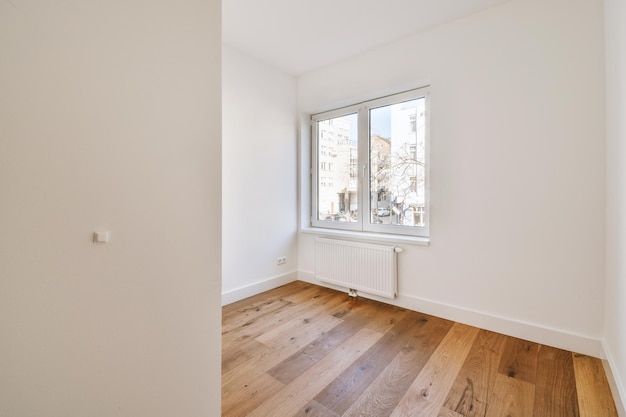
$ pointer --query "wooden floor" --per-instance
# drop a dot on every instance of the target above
(304, 350)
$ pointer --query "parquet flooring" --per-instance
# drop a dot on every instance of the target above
(306, 351)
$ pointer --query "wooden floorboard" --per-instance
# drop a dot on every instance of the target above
(342, 393)
(555, 393)
(429, 390)
(289, 400)
(385, 392)
(511, 397)
(306, 351)
(311, 354)
(314, 409)
(519, 359)
(594, 398)
(471, 393)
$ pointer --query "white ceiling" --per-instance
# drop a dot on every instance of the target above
(298, 36)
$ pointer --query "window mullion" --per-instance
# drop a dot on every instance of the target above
(364, 166)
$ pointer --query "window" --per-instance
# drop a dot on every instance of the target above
(376, 168)
(412, 122)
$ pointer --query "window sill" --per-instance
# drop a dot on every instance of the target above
(378, 237)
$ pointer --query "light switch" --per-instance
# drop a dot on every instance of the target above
(101, 237)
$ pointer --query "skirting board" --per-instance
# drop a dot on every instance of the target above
(240, 293)
(522, 330)
(618, 389)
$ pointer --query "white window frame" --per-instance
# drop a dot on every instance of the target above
(362, 223)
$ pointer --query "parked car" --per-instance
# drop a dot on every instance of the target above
(338, 217)
(383, 212)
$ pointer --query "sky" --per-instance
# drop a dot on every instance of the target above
(380, 120)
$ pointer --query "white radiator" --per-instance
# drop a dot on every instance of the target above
(361, 266)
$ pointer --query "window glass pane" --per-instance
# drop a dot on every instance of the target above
(337, 170)
(397, 155)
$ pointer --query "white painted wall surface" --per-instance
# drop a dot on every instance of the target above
(615, 16)
(517, 166)
(110, 120)
(259, 176)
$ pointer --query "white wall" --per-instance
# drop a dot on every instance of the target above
(110, 120)
(615, 16)
(517, 148)
(259, 176)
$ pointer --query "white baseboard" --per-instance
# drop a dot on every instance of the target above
(618, 389)
(240, 293)
(523, 330)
